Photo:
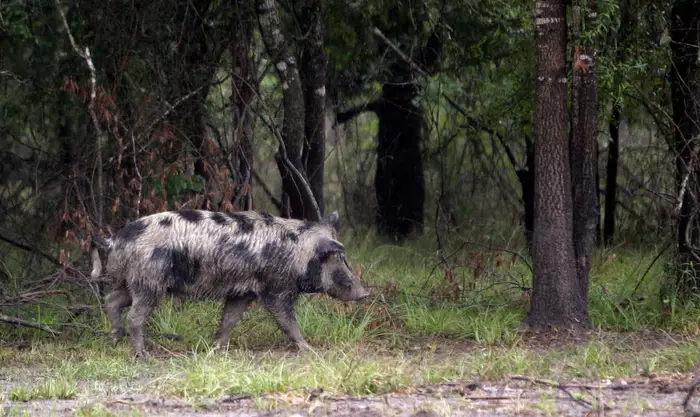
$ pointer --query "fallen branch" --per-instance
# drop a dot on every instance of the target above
(687, 408)
(563, 388)
(31, 250)
(19, 322)
(168, 336)
(28, 297)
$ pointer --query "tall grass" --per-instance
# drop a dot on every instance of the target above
(422, 324)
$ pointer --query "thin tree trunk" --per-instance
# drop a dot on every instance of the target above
(611, 176)
(629, 21)
(300, 205)
(313, 75)
(556, 296)
(243, 93)
(685, 28)
(195, 70)
(583, 154)
(526, 176)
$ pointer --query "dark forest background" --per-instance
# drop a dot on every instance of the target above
(539, 128)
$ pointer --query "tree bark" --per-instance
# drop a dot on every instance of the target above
(243, 93)
(399, 181)
(313, 77)
(556, 297)
(299, 204)
(685, 91)
(583, 152)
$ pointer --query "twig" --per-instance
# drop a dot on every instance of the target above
(491, 248)
(656, 258)
(684, 186)
(168, 336)
(396, 49)
(266, 190)
(34, 294)
(465, 243)
(19, 322)
(138, 174)
(30, 249)
(173, 106)
(562, 388)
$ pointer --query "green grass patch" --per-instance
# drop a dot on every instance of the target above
(424, 323)
(55, 388)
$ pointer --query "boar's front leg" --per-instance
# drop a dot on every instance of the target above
(233, 311)
(282, 309)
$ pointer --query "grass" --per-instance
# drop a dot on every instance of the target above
(57, 388)
(421, 326)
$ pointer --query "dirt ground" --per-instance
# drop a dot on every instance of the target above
(655, 395)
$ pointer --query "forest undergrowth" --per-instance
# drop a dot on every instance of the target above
(455, 316)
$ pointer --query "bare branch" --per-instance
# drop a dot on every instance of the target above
(85, 54)
(275, 201)
(34, 325)
(562, 388)
(138, 174)
(396, 49)
(31, 249)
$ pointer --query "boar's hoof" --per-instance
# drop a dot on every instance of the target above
(117, 336)
(221, 347)
(142, 354)
(303, 346)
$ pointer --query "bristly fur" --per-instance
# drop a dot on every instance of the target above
(236, 256)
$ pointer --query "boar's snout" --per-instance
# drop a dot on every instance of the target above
(357, 293)
(364, 293)
(347, 287)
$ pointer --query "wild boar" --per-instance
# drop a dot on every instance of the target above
(236, 257)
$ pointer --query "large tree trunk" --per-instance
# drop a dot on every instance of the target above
(299, 204)
(241, 156)
(313, 76)
(685, 88)
(584, 159)
(556, 297)
(399, 182)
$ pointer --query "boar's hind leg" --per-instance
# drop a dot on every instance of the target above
(115, 301)
(283, 312)
(233, 311)
(140, 309)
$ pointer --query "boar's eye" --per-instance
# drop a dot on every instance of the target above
(328, 247)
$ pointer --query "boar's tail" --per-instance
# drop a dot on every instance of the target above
(98, 243)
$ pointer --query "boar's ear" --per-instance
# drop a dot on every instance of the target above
(334, 220)
(328, 246)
